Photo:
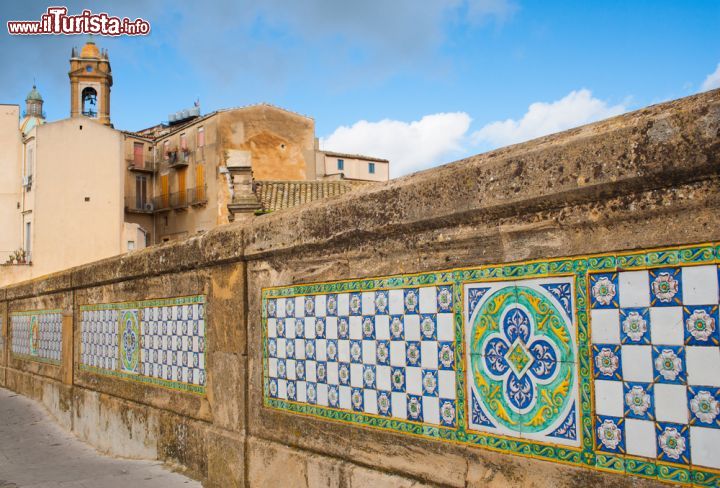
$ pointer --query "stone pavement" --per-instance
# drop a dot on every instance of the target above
(35, 452)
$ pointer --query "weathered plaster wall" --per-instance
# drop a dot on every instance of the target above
(279, 143)
(643, 180)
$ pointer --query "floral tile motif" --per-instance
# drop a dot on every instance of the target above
(635, 325)
(701, 325)
(669, 363)
(638, 399)
(472, 356)
(156, 341)
(521, 346)
(665, 287)
(604, 290)
(609, 434)
(673, 442)
(704, 406)
(607, 361)
(129, 341)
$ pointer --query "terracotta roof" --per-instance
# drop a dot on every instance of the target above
(276, 195)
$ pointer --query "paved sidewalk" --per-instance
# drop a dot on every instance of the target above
(35, 452)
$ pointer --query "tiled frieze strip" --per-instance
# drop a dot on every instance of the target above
(158, 342)
(37, 335)
(608, 361)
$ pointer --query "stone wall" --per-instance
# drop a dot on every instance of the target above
(550, 244)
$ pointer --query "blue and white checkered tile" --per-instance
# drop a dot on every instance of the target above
(656, 355)
(50, 344)
(20, 331)
(173, 343)
(387, 352)
(99, 343)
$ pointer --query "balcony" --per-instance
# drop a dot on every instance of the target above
(179, 159)
(161, 203)
(180, 200)
(144, 166)
(135, 205)
(197, 196)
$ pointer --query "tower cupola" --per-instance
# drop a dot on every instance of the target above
(34, 114)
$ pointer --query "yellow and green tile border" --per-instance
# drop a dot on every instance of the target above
(579, 267)
(137, 377)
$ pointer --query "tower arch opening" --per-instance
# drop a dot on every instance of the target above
(89, 102)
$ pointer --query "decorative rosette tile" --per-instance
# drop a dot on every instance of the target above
(522, 359)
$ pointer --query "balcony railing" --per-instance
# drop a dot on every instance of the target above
(179, 159)
(135, 205)
(198, 195)
(145, 167)
(180, 200)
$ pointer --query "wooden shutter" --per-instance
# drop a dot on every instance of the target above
(138, 160)
(199, 183)
(182, 186)
(165, 191)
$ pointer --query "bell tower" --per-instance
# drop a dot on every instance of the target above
(90, 83)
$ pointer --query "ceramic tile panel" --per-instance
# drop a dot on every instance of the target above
(37, 335)
(99, 338)
(656, 364)
(388, 353)
(173, 343)
(161, 342)
(608, 361)
(522, 368)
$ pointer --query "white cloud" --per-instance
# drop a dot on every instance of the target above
(442, 137)
(577, 108)
(712, 81)
(410, 146)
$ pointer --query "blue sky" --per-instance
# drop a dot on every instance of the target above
(419, 82)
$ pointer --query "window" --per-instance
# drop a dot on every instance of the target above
(371, 168)
(89, 102)
(140, 192)
(201, 137)
(183, 142)
(166, 148)
(131, 245)
(29, 165)
(28, 247)
(341, 164)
